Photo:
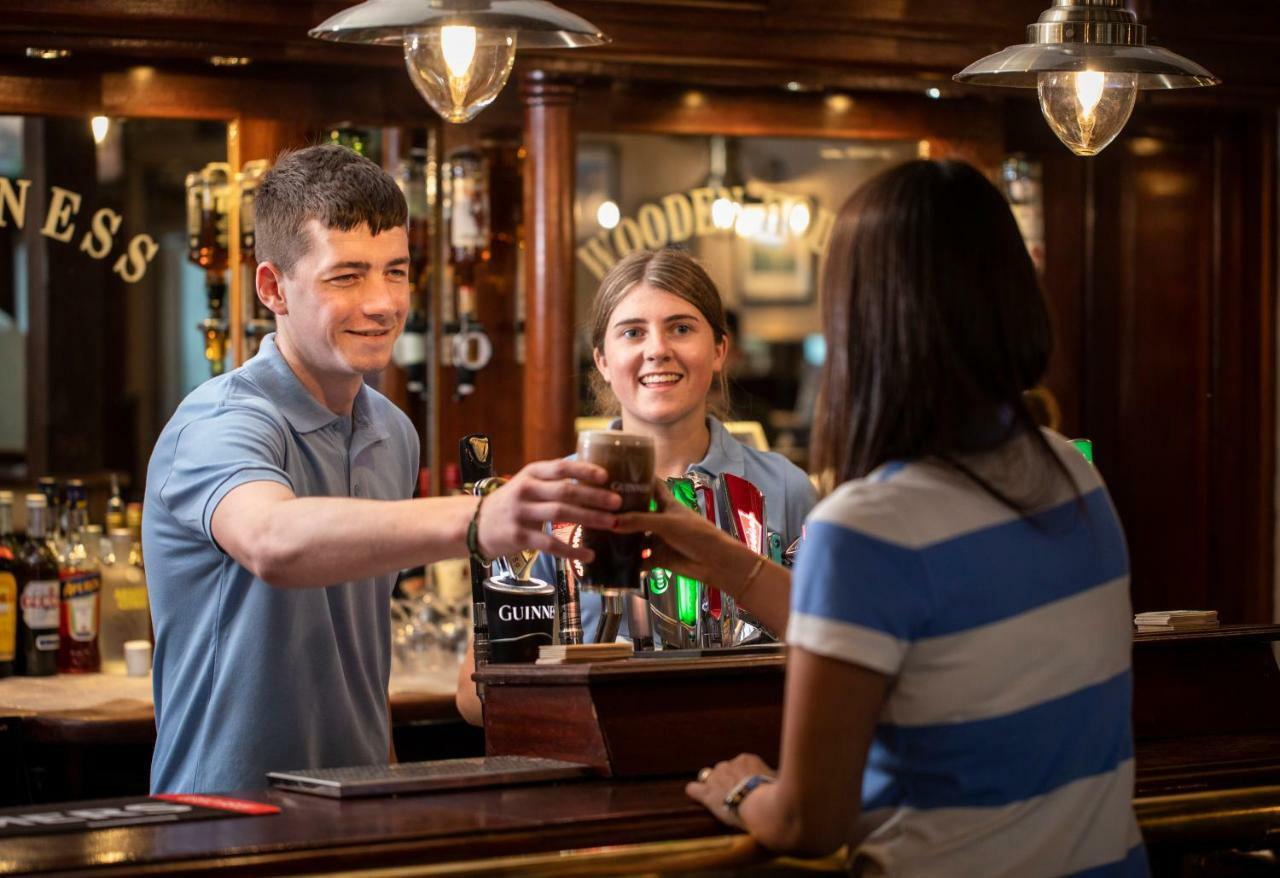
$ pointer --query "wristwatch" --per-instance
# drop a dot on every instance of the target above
(741, 789)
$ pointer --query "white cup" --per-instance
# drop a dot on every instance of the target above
(137, 657)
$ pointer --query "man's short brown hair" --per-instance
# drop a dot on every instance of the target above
(328, 183)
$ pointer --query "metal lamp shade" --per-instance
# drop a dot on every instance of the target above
(1077, 36)
(1020, 66)
(541, 25)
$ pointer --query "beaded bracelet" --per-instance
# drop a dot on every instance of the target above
(473, 536)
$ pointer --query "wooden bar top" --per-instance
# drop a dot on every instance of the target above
(313, 833)
(97, 708)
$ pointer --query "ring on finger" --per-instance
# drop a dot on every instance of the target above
(703, 775)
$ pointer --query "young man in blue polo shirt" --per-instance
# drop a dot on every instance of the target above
(278, 502)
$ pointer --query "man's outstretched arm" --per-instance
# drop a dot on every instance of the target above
(305, 542)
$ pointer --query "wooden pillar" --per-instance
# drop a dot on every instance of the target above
(250, 138)
(550, 391)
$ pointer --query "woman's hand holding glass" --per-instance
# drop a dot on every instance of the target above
(684, 542)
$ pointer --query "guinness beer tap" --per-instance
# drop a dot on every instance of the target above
(476, 465)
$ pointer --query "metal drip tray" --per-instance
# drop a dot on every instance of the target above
(419, 777)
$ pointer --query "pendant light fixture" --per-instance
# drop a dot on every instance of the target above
(459, 53)
(1088, 59)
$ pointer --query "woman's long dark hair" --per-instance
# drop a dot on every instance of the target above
(935, 324)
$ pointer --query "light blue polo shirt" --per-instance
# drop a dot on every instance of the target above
(788, 497)
(250, 678)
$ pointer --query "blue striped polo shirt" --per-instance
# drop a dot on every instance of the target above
(1005, 745)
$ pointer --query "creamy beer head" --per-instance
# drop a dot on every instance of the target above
(628, 458)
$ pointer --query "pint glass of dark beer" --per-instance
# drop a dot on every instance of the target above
(628, 458)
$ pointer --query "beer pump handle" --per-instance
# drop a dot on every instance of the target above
(476, 464)
(475, 458)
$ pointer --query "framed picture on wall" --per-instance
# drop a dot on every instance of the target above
(775, 272)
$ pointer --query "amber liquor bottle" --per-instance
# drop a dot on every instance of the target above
(10, 570)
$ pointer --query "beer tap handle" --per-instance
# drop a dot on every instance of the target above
(475, 462)
(475, 458)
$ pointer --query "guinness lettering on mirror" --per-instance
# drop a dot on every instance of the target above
(59, 224)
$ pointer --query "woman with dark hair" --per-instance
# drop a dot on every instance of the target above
(958, 684)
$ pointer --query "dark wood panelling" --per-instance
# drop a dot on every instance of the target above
(1160, 274)
(830, 44)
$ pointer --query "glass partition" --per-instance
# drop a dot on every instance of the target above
(756, 212)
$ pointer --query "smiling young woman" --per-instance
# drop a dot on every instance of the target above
(659, 339)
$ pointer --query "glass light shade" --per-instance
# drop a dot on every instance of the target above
(459, 69)
(1087, 109)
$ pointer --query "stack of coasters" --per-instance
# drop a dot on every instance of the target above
(1175, 620)
(576, 653)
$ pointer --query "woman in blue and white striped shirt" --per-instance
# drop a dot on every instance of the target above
(959, 685)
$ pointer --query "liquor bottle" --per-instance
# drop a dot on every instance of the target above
(415, 176)
(354, 139)
(10, 570)
(115, 505)
(80, 587)
(37, 652)
(52, 491)
(126, 613)
(8, 539)
(470, 348)
(260, 320)
(193, 216)
(212, 254)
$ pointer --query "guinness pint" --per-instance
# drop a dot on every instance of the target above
(628, 458)
(521, 616)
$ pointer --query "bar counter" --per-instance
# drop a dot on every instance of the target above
(1206, 726)
(313, 833)
(90, 735)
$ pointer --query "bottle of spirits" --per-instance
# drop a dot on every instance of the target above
(8, 539)
(126, 614)
(133, 521)
(213, 254)
(52, 491)
(37, 652)
(80, 585)
(115, 505)
(470, 348)
(10, 570)
(260, 320)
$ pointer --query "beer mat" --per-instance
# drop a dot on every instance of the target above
(131, 811)
(584, 652)
(421, 777)
(1176, 618)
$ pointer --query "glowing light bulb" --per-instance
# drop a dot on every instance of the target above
(608, 215)
(799, 218)
(751, 221)
(1087, 109)
(1089, 85)
(100, 125)
(459, 69)
(724, 213)
(458, 44)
